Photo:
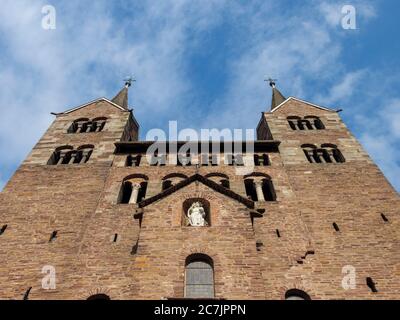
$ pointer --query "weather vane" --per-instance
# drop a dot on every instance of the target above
(128, 81)
(272, 82)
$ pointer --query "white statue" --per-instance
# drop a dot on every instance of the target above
(196, 215)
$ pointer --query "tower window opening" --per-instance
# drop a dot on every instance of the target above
(328, 153)
(259, 245)
(85, 125)
(3, 229)
(306, 123)
(278, 234)
(371, 284)
(115, 237)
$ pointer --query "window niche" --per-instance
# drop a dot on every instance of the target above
(327, 153)
(259, 187)
(133, 160)
(296, 294)
(67, 155)
(171, 180)
(199, 277)
(306, 123)
(133, 189)
(196, 213)
(85, 125)
(219, 178)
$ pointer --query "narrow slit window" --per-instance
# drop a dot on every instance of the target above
(336, 227)
(26, 294)
(53, 236)
(3, 229)
(278, 234)
(371, 285)
(384, 218)
(115, 237)
(135, 248)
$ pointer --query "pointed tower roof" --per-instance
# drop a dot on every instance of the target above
(121, 98)
(277, 96)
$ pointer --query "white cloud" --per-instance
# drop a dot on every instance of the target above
(344, 88)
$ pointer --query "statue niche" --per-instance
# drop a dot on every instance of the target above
(196, 213)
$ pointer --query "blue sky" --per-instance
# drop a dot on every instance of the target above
(201, 63)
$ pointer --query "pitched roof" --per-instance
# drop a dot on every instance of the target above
(121, 98)
(277, 98)
(88, 103)
(303, 101)
(197, 177)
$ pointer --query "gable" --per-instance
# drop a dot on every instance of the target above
(209, 183)
(91, 103)
(292, 101)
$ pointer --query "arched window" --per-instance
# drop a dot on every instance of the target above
(259, 187)
(296, 294)
(83, 153)
(133, 160)
(172, 179)
(261, 160)
(333, 152)
(84, 125)
(293, 122)
(250, 189)
(133, 189)
(199, 277)
(220, 178)
(99, 296)
(62, 155)
(268, 190)
(328, 153)
(98, 124)
(316, 122)
(310, 152)
(78, 126)
(304, 125)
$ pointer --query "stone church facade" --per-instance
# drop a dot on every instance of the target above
(87, 215)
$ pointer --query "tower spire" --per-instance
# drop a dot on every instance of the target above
(122, 97)
(277, 96)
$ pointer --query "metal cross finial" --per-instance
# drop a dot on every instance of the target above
(272, 82)
(128, 81)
